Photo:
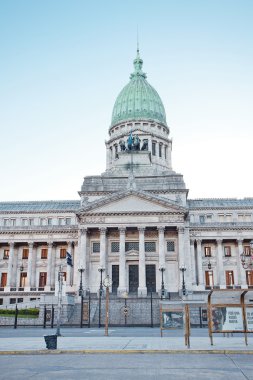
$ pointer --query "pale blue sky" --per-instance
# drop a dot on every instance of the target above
(63, 64)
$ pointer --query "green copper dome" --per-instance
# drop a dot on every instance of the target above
(138, 100)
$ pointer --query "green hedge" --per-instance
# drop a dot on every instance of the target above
(32, 311)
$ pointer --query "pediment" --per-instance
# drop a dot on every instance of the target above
(132, 202)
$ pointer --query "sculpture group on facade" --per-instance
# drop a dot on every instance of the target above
(133, 144)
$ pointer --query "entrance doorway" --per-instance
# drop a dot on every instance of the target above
(151, 278)
(133, 278)
(115, 278)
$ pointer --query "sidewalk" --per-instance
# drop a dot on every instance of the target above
(126, 345)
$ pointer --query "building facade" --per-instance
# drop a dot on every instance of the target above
(134, 221)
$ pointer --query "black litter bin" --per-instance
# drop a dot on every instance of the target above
(51, 341)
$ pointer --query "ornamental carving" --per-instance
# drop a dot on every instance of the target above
(171, 218)
(92, 219)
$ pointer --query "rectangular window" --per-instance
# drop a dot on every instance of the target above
(31, 222)
(209, 278)
(115, 246)
(229, 278)
(1, 301)
(132, 245)
(160, 150)
(61, 221)
(20, 300)
(6, 222)
(170, 246)
(44, 253)
(95, 247)
(153, 148)
(12, 301)
(6, 253)
(249, 277)
(24, 222)
(42, 222)
(64, 276)
(116, 150)
(202, 219)
(23, 280)
(165, 152)
(3, 280)
(25, 253)
(13, 222)
(207, 251)
(150, 246)
(63, 253)
(68, 221)
(227, 251)
(42, 279)
(50, 221)
(209, 218)
(246, 250)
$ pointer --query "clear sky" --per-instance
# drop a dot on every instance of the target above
(63, 63)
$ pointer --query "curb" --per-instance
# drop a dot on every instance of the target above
(124, 352)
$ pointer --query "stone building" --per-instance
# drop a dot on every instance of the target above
(135, 221)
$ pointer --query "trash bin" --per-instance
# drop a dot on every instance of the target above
(51, 341)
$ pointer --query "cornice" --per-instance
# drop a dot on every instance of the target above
(39, 230)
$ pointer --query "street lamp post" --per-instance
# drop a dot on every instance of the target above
(162, 270)
(59, 306)
(81, 270)
(101, 270)
(107, 284)
(247, 260)
(183, 269)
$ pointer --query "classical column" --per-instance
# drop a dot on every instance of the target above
(122, 262)
(161, 247)
(82, 248)
(221, 275)
(49, 265)
(142, 289)
(19, 263)
(199, 261)
(10, 265)
(102, 247)
(241, 272)
(181, 258)
(53, 266)
(192, 250)
(69, 268)
(30, 265)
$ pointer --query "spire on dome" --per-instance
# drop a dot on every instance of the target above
(138, 62)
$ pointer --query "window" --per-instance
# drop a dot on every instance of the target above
(229, 278)
(95, 247)
(115, 246)
(61, 221)
(116, 150)
(207, 251)
(227, 251)
(209, 278)
(44, 253)
(63, 253)
(42, 221)
(1, 301)
(64, 276)
(150, 246)
(209, 218)
(50, 221)
(247, 250)
(31, 222)
(13, 222)
(20, 300)
(6, 253)
(132, 245)
(23, 280)
(3, 280)
(25, 253)
(12, 301)
(160, 150)
(170, 246)
(43, 279)
(249, 277)
(202, 219)
(68, 221)
(24, 222)
(153, 148)
(6, 222)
